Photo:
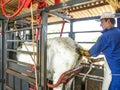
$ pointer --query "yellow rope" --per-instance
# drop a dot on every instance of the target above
(90, 69)
(35, 62)
(22, 40)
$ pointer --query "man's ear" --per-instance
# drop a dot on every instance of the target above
(108, 21)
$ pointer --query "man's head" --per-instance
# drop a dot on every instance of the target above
(107, 20)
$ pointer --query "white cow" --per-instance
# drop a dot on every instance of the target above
(61, 56)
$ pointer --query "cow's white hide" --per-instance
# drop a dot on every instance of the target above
(61, 56)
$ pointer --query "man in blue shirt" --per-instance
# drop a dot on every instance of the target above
(109, 44)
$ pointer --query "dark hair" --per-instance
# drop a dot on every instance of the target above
(112, 20)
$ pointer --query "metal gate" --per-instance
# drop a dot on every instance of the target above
(15, 73)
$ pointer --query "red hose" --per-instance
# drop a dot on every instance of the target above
(16, 13)
(66, 76)
(58, 82)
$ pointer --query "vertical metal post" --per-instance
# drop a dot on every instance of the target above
(43, 52)
(3, 54)
(71, 34)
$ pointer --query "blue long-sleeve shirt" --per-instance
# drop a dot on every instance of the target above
(109, 44)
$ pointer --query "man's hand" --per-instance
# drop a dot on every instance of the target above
(85, 52)
(82, 51)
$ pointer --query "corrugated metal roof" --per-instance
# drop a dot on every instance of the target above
(80, 10)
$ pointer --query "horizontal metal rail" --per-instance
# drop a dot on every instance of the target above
(16, 61)
(22, 29)
(91, 76)
(19, 41)
(26, 52)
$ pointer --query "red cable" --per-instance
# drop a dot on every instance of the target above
(58, 82)
(62, 77)
(16, 13)
(24, 4)
(41, 4)
(63, 24)
(57, 2)
(32, 69)
(34, 88)
(37, 33)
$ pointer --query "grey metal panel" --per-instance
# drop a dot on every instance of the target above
(10, 80)
(17, 82)
(21, 69)
(24, 85)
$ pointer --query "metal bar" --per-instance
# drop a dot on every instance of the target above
(88, 31)
(3, 53)
(58, 22)
(87, 18)
(87, 64)
(19, 41)
(71, 34)
(92, 76)
(43, 52)
(15, 61)
(60, 15)
(66, 4)
(77, 32)
(26, 52)
(58, 33)
(23, 22)
(22, 29)
(15, 30)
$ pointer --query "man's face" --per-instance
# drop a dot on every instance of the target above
(104, 24)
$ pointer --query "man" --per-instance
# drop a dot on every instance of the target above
(108, 44)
